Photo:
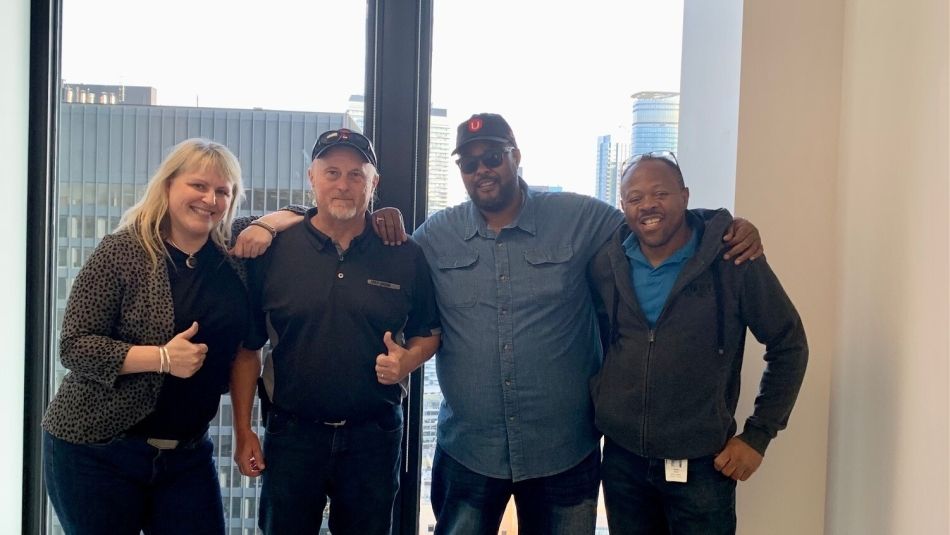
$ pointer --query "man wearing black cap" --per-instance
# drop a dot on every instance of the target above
(519, 343)
(348, 319)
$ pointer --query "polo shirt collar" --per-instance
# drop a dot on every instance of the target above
(631, 247)
(323, 240)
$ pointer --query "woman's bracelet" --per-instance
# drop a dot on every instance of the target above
(265, 226)
(166, 362)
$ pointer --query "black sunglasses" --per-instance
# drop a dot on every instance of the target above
(491, 159)
(665, 155)
(347, 137)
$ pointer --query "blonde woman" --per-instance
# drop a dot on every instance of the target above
(153, 322)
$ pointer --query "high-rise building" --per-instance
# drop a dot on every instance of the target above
(107, 154)
(440, 144)
(655, 124)
(431, 400)
(355, 108)
(610, 158)
(109, 94)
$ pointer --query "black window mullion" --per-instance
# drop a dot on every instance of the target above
(45, 40)
(396, 117)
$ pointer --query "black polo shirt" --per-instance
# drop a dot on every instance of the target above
(328, 312)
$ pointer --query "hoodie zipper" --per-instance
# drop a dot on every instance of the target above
(646, 385)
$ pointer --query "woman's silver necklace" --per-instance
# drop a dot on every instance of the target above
(191, 261)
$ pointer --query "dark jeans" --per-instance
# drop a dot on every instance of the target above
(356, 466)
(125, 486)
(466, 502)
(639, 500)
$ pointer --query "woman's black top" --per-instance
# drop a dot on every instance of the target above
(213, 295)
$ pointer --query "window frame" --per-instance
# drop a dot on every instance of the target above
(397, 95)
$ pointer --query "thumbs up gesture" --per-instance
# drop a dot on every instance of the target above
(185, 358)
(391, 366)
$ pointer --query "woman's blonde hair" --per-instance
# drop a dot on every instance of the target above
(147, 220)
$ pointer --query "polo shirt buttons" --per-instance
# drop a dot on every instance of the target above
(339, 275)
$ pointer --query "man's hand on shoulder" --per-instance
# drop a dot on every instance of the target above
(737, 460)
(744, 241)
(388, 225)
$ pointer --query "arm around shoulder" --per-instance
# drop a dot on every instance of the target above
(251, 235)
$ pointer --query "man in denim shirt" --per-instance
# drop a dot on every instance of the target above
(519, 343)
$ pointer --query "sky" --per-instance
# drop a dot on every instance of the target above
(560, 76)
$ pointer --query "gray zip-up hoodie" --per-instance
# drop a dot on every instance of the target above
(671, 391)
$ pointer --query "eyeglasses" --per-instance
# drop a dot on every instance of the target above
(491, 159)
(346, 137)
(665, 155)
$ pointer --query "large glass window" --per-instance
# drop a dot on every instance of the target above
(571, 81)
(266, 80)
(262, 79)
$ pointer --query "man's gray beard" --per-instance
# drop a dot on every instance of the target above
(344, 214)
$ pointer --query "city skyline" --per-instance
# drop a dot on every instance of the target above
(553, 104)
(654, 126)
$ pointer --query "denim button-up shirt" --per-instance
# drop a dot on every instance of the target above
(519, 335)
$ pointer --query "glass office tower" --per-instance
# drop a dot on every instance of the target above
(655, 124)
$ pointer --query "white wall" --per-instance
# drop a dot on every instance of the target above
(785, 182)
(842, 162)
(776, 94)
(14, 84)
(889, 427)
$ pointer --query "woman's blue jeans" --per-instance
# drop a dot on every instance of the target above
(126, 486)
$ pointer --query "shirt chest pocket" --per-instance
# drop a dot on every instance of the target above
(385, 304)
(549, 272)
(456, 281)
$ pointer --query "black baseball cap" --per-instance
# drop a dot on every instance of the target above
(484, 127)
(347, 138)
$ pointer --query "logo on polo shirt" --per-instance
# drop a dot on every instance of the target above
(383, 284)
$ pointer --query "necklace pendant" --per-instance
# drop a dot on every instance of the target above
(191, 262)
